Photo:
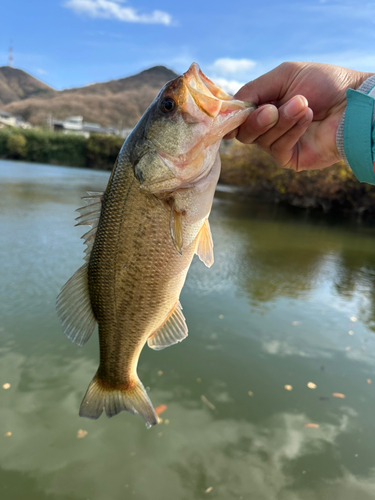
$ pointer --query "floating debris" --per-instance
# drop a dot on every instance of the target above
(356, 455)
(160, 409)
(160, 420)
(160, 434)
(369, 381)
(221, 316)
(208, 403)
(338, 395)
(81, 434)
(312, 426)
(351, 332)
(295, 323)
(166, 421)
(347, 348)
(353, 318)
(199, 380)
(208, 490)
(160, 373)
(288, 387)
(7, 434)
(6, 386)
(250, 393)
(363, 347)
(311, 385)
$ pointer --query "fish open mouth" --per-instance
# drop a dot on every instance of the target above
(210, 98)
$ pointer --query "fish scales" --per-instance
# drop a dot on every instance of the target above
(146, 228)
(135, 247)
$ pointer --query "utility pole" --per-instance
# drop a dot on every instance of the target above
(11, 56)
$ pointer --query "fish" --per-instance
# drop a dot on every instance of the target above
(146, 228)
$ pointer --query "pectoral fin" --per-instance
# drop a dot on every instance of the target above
(175, 227)
(173, 330)
(205, 245)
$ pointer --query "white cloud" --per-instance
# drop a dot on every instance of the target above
(230, 86)
(41, 71)
(114, 9)
(226, 66)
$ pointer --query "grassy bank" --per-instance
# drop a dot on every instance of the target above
(334, 188)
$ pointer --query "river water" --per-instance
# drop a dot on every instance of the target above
(288, 302)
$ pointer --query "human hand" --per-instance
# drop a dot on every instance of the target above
(300, 108)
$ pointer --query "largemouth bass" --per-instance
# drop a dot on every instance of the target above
(145, 229)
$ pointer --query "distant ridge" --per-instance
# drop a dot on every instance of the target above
(156, 77)
(117, 102)
(16, 85)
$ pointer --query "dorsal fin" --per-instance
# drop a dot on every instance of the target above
(173, 330)
(73, 302)
(205, 245)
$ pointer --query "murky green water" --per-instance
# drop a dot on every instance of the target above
(276, 309)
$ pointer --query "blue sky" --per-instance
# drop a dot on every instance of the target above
(69, 43)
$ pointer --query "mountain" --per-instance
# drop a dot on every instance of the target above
(117, 102)
(16, 85)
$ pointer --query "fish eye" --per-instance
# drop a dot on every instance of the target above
(167, 105)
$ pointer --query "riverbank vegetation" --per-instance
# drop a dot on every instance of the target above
(245, 166)
(332, 189)
(45, 146)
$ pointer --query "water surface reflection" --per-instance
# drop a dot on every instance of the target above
(276, 308)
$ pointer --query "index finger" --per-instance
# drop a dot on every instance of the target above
(270, 87)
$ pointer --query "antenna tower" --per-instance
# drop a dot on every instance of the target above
(11, 56)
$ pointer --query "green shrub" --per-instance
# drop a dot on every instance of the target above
(16, 145)
(102, 151)
(45, 146)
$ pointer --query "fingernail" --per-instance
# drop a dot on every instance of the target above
(295, 106)
(267, 116)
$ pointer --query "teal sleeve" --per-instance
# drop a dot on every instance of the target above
(355, 136)
(358, 135)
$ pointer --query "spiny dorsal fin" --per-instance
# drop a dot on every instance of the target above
(205, 245)
(175, 228)
(73, 302)
(173, 330)
(74, 308)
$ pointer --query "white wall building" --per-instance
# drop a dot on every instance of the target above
(10, 120)
(76, 125)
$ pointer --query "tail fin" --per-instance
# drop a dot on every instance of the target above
(134, 400)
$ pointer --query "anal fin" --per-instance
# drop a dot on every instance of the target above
(173, 330)
(205, 245)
